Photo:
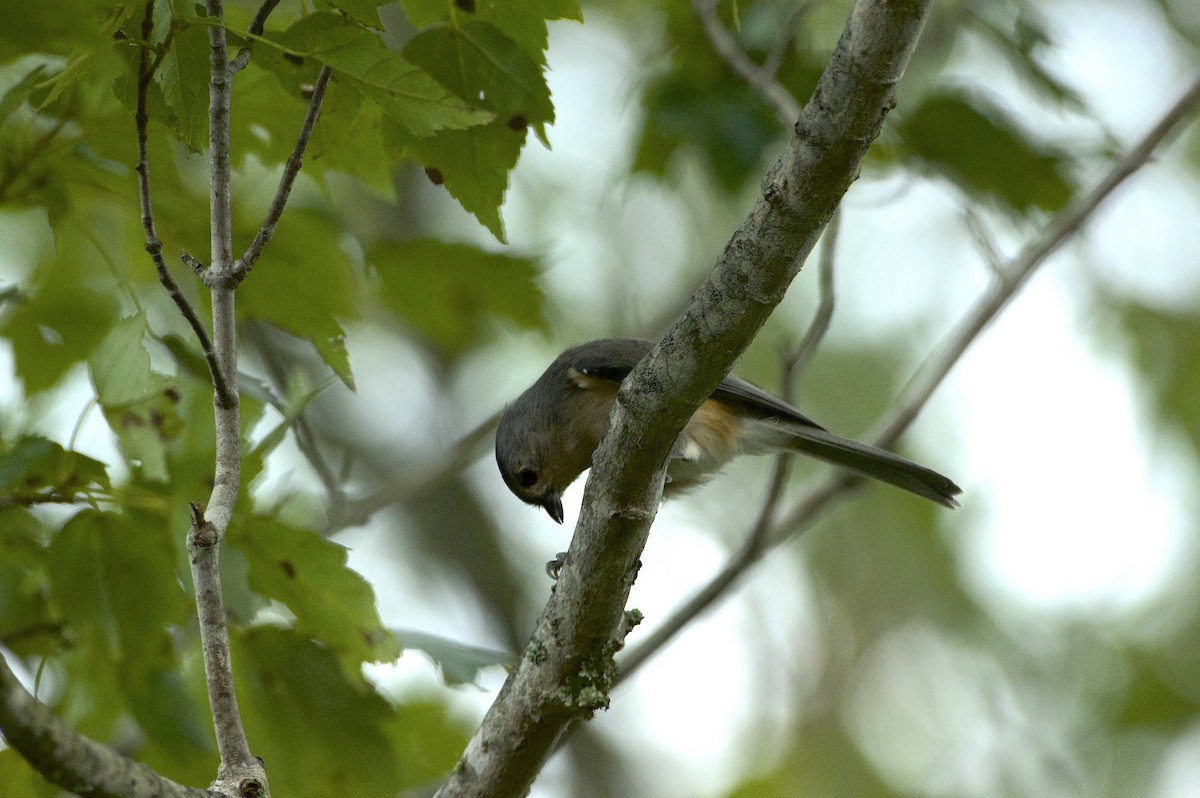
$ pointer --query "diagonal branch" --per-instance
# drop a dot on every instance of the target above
(759, 540)
(153, 244)
(779, 47)
(409, 483)
(71, 761)
(256, 29)
(290, 170)
(761, 79)
(568, 667)
(819, 326)
(1012, 277)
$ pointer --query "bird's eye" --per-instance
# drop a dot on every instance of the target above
(527, 477)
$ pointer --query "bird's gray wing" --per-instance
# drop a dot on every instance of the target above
(756, 402)
(613, 358)
(608, 358)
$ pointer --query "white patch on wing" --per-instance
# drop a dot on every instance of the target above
(691, 451)
(580, 378)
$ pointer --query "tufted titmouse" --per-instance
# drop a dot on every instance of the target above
(546, 438)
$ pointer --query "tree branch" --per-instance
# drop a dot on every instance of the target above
(1014, 275)
(238, 766)
(71, 761)
(290, 170)
(408, 484)
(153, 244)
(1011, 277)
(779, 48)
(759, 540)
(220, 213)
(567, 668)
(761, 79)
(256, 29)
(819, 326)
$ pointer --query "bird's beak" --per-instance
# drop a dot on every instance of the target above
(553, 506)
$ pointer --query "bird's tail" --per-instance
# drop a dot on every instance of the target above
(872, 462)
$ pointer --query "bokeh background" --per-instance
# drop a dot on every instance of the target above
(1042, 640)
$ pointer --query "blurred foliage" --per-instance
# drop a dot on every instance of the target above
(1021, 175)
(430, 106)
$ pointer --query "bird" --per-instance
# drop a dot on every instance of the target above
(547, 436)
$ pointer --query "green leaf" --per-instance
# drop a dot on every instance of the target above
(36, 469)
(1164, 347)
(77, 70)
(15, 96)
(115, 583)
(289, 686)
(720, 116)
(1151, 702)
(332, 603)
(58, 322)
(473, 165)
(482, 65)
(443, 291)
(1021, 41)
(138, 402)
(295, 404)
(60, 27)
(458, 662)
(183, 76)
(975, 145)
(426, 12)
(145, 429)
(701, 109)
(303, 284)
(28, 624)
(364, 12)
(428, 739)
(120, 366)
(487, 67)
(525, 23)
(405, 93)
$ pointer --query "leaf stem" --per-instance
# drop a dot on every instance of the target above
(154, 246)
(290, 170)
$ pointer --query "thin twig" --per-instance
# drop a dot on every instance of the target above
(353, 512)
(193, 263)
(202, 546)
(827, 300)
(983, 241)
(153, 244)
(238, 765)
(220, 265)
(256, 29)
(306, 440)
(290, 170)
(809, 508)
(1014, 274)
(779, 47)
(14, 168)
(787, 110)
